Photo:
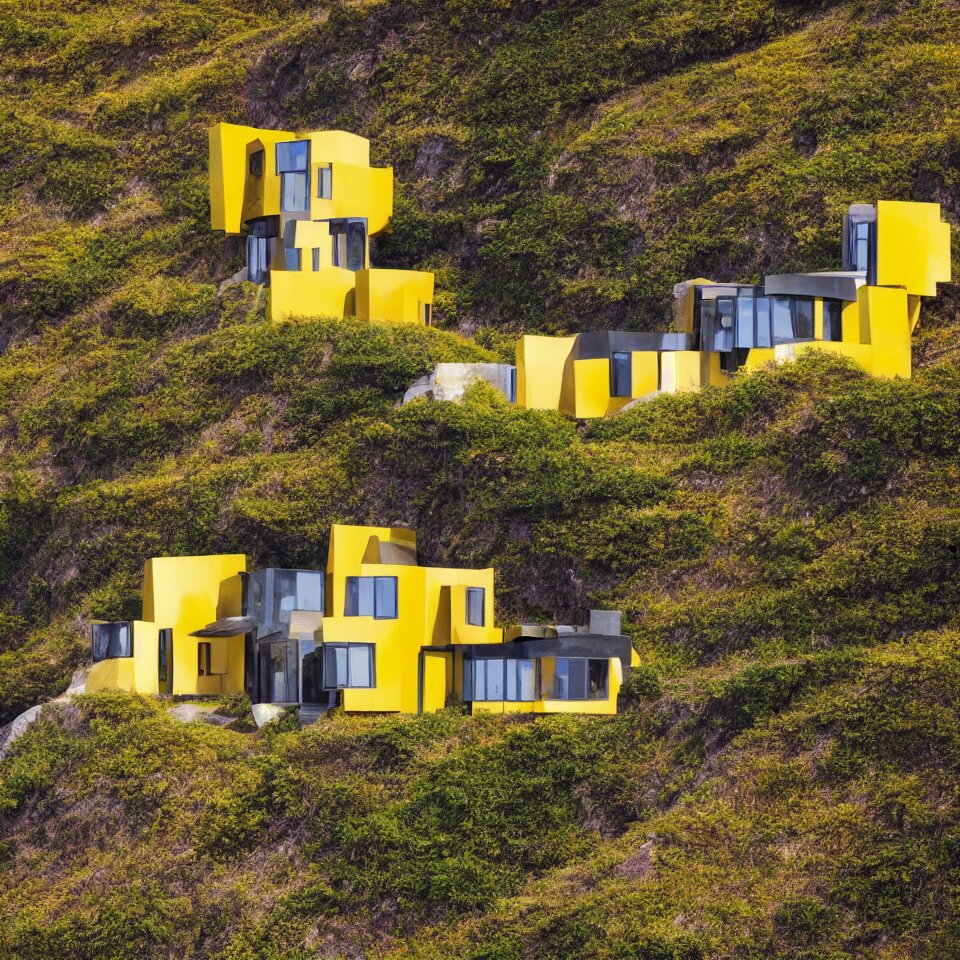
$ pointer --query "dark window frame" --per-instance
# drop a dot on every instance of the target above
(204, 658)
(470, 667)
(587, 661)
(325, 180)
(297, 254)
(483, 604)
(371, 662)
(255, 164)
(349, 612)
(618, 360)
(115, 648)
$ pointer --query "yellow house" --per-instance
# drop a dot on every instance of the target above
(308, 204)
(374, 632)
(894, 253)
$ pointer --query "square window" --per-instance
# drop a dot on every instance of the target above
(291, 258)
(293, 156)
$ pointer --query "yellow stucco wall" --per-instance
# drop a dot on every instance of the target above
(680, 371)
(885, 319)
(913, 247)
(644, 372)
(541, 372)
(328, 292)
(591, 387)
(396, 296)
(186, 594)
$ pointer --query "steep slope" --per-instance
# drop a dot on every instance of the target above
(786, 551)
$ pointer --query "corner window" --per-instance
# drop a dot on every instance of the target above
(576, 678)
(833, 320)
(111, 641)
(297, 590)
(325, 183)
(372, 597)
(475, 603)
(204, 659)
(293, 165)
(622, 385)
(256, 163)
(348, 665)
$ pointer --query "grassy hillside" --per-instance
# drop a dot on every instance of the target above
(783, 780)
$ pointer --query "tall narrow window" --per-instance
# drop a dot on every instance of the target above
(256, 163)
(204, 659)
(316, 259)
(802, 319)
(293, 165)
(723, 328)
(745, 332)
(291, 258)
(324, 183)
(782, 320)
(833, 320)
(356, 245)
(427, 314)
(622, 375)
(764, 335)
(475, 603)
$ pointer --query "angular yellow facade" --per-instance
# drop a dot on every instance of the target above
(373, 632)
(894, 254)
(308, 204)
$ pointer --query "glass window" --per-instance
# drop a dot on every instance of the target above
(833, 320)
(293, 156)
(356, 245)
(521, 680)
(489, 680)
(744, 333)
(597, 679)
(316, 259)
(513, 385)
(578, 678)
(475, 603)
(293, 192)
(348, 665)
(622, 375)
(385, 599)
(258, 259)
(291, 258)
(310, 584)
(165, 648)
(861, 246)
(256, 163)
(782, 320)
(372, 597)
(803, 319)
(111, 640)
(427, 314)
(324, 183)
(764, 336)
(723, 328)
(204, 652)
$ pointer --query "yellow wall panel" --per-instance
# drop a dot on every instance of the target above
(644, 372)
(395, 296)
(591, 385)
(542, 363)
(913, 247)
(886, 317)
(328, 292)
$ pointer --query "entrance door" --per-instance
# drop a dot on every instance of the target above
(165, 661)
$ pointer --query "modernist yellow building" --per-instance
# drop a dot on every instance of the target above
(374, 632)
(894, 254)
(308, 204)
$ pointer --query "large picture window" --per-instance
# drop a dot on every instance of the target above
(348, 665)
(293, 165)
(576, 678)
(475, 603)
(349, 243)
(297, 590)
(500, 680)
(372, 597)
(110, 641)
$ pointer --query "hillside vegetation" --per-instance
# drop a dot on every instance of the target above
(782, 781)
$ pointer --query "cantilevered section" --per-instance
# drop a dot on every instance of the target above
(894, 253)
